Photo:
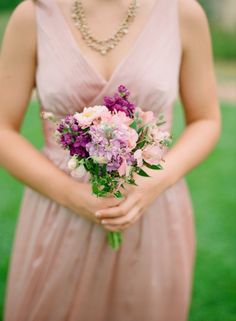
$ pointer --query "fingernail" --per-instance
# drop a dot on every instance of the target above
(103, 222)
(98, 214)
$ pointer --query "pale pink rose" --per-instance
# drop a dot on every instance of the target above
(119, 118)
(89, 115)
(163, 135)
(123, 168)
(105, 117)
(133, 138)
(154, 133)
(152, 154)
(146, 116)
(138, 156)
(157, 135)
(122, 118)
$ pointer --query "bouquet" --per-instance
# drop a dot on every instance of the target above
(112, 142)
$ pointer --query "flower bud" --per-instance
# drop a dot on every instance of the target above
(72, 164)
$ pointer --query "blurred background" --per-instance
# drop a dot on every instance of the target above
(212, 184)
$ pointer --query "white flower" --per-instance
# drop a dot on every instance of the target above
(46, 115)
(99, 159)
(78, 172)
(72, 164)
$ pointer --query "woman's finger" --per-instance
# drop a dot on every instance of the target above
(119, 221)
(117, 211)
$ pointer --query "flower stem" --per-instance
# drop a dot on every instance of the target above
(114, 239)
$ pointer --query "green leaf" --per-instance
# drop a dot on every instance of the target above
(134, 125)
(167, 142)
(160, 123)
(141, 144)
(140, 130)
(132, 182)
(141, 172)
(95, 188)
(153, 166)
(118, 194)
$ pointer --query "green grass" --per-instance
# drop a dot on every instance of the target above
(212, 185)
(213, 189)
(224, 44)
(4, 17)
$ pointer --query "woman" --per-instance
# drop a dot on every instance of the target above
(61, 267)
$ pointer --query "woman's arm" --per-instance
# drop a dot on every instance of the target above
(18, 155)
(198, 93)
(202, 114)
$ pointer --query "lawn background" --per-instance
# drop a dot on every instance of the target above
(213, 189)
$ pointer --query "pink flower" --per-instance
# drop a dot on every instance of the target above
(133, 138)
(152, 154)
(90, 114)
(118, 118)
(138, 156)
(122, 170)
(163, 135)
(146, 116)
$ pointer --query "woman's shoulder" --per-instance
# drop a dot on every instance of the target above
(193, 20)
(191, 13)
(20, 33)
(22, 22)
(23, 16)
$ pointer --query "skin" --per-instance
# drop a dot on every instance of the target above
(18, 63)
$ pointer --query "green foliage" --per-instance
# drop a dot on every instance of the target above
(156, 167)
(224, 44)
(141, 172)
(8, 4)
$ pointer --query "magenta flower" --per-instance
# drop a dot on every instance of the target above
(119, 102)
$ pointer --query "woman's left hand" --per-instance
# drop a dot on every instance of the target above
(136, 200)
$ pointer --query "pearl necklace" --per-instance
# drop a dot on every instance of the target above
(105, 45)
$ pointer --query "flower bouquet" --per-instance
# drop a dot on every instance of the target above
(112, 142)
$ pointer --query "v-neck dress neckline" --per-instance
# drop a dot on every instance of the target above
(124, 59)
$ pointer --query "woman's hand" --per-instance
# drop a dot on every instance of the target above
(81, 201)
(137, 199)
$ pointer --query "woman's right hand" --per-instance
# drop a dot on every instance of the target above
(81, 201)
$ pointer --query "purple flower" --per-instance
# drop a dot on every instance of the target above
(60, 128)
(119, 102)
(78, 147)
(124, 92)
(75, 127)
(66, 139)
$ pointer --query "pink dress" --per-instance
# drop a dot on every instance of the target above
(61, 266)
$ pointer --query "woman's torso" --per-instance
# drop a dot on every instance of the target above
(147, 63)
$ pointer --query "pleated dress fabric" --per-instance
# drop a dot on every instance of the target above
(61, 267)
